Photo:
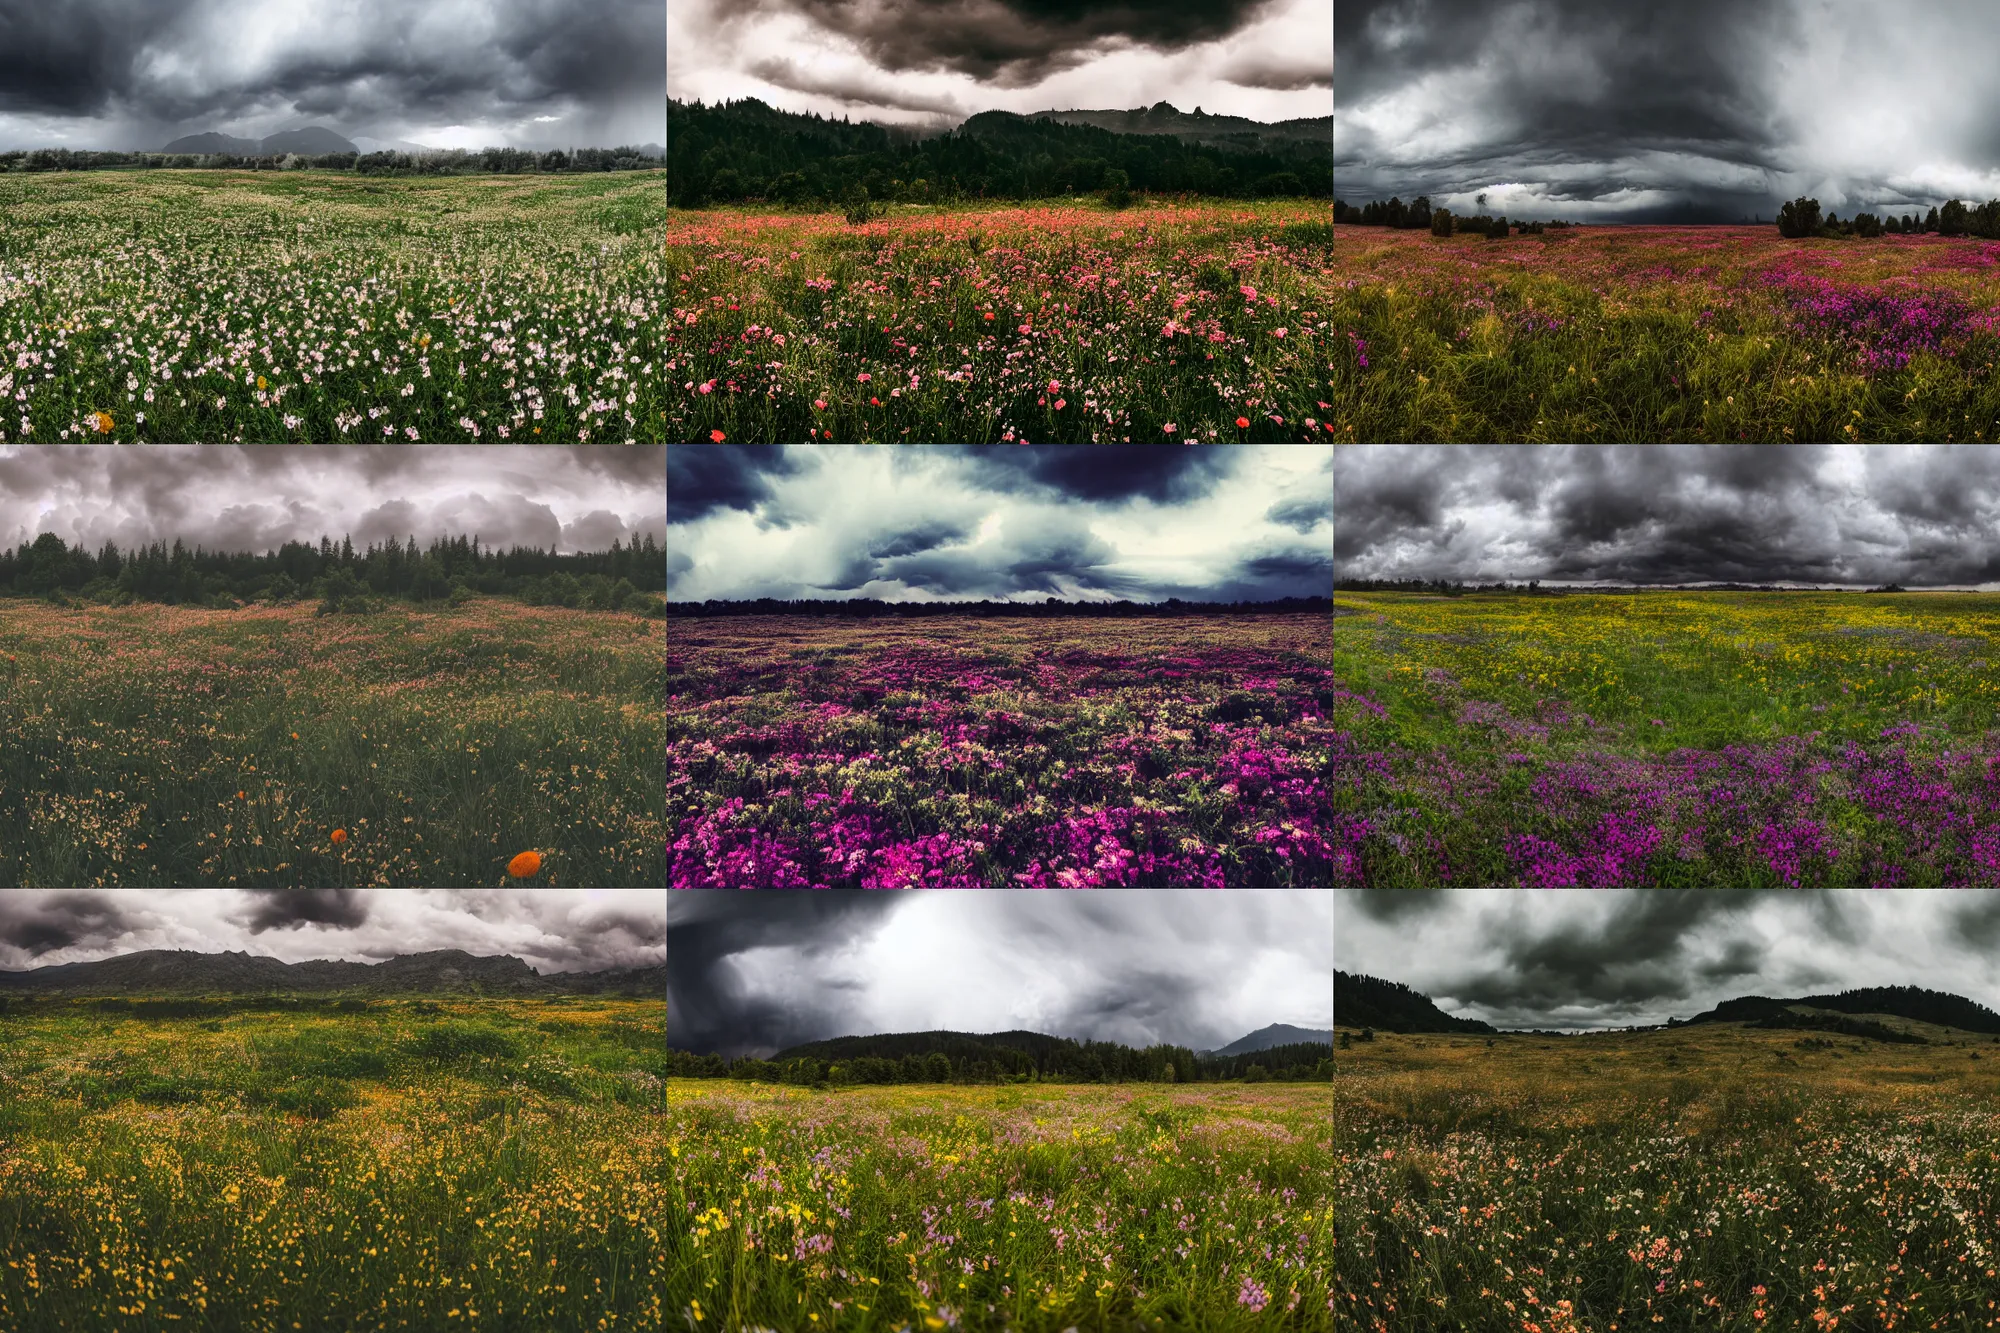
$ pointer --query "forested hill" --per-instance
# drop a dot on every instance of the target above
(1911, 1002)
(1362, 1001)
(747, 150)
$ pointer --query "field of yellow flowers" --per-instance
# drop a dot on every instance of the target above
(1833, 739)
(332, 1166)
(1707, 1178)
(158, 745)
(1094, 1207)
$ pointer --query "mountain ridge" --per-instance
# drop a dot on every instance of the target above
(181, 971)
(1361, 1001)
(307, 141)
(1272, 1034)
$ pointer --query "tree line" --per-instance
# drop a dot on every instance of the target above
(1090, 1062)
(1801, 218)
(1418, 215)
(871, 607)
(443, 162)
(625, 578)
(747, 150)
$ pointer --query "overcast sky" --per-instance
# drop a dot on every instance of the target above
(752, 973)
(925, 61)
(553, 930)
(1667, 110)
(135, 74)
(1845, 514)
(257, 497)
(936, 522)
(1595, 958)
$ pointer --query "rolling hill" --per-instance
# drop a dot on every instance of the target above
(1364, 1001)
(1277, 1034)
(182, 971)
(310, 141)
(1842, 1012)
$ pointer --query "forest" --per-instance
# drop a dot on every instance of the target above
(1418, 215)
(863, 608)
(444, 162)
(1005, 1057)
(1801, 218)
(746, 150)
(624, 578)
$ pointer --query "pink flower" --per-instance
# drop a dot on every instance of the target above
(864, 377)
(1279, 332)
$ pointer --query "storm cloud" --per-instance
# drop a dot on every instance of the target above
(257, 497)
(134, 74)
(944, 522)
(753, 973)
(1612, 958)
(554, 930)
(1665, 110)
(1838, 515)
(918, 61)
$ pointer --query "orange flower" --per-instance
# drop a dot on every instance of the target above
(263, 383)
(340, 835)
(295, 735)
(524, 865)
(239, 795)
(101, 420)
(1243, 423)
(717, 436)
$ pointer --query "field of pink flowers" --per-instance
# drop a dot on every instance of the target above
(966, 754)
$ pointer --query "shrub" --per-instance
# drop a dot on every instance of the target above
(1498, 232)
(1441, 222)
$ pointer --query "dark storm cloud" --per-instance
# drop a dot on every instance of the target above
(1839, 514)
(756, 972)
(702, 478)
(255, 498)
(289, 909)
(157, 67)
(926, 522)
(1017, 42)
(1539, 958)
(1661, 110)
(37, 924)
(862, 89)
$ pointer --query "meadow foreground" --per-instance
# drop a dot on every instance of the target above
(1168, 752)
(1034, 1208)
(265, 306)
(1714, 1177)
(1678, 739)
(331, 1165)
(160, 745)
(1663, 333)
(1166, 322)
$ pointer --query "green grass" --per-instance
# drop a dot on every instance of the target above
(1049, 1207)
(273, 306)
(313, 1168)
(1710, 1178)
(156, 745)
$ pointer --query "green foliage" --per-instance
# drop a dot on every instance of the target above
(1441, 222)
(1799, 218)
(454, 1043)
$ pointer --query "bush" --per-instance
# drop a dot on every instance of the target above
(1498, 231)
(1117, 188)
(1441, 222)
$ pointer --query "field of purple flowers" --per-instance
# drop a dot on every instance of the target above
(969, 754)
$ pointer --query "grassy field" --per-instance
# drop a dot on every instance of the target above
(1061, 323)
(1095, 1207)
(267, 306)
(385, 1164)
(1707, 1178)
(156, 745)
(1663, 333)
(1736, 739)
(802, 753)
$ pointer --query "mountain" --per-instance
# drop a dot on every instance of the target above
(183, 971)
(1911, 1002)
(364, 144)
(1370, 1002)
(1198, 126)
(1277, 1034)
(311, 141)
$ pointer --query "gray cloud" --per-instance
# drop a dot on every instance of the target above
(36, 924)
(257, 497)
(1642, 110)
(288, 909)
(862, 89)
(752, 973)
(135, 73)
(1835, 514)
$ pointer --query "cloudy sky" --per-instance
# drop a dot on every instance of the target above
(553, 930)
(752, 973)
(135, 74)
(256, 497)
(925, 61)
(1852, 515)
(1667, 110)
(937, 522)
(1596, 958)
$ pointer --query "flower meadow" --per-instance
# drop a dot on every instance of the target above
(1165, 752)
(218, 306)
(989, 1208)
(266, 746)
(1047, 324)
(1664, 333)
(1695, 1179)
(387, 1164)
(1676, 739)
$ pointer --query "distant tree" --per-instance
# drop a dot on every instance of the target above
(1117, 187)
(1368, 1034)
(1867, 225)
(1339, 211)
(1441, 222)
(1799, 218)
(1498, 231)
(1952, 219)
(937, 1067)
(1419, 216)
(1931, 221)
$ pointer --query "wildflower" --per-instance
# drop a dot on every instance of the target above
(524, 864)
(1243, 423)
(819, 404)
(717, 436)
(339, 836)
(263, 383)
(101, 420)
